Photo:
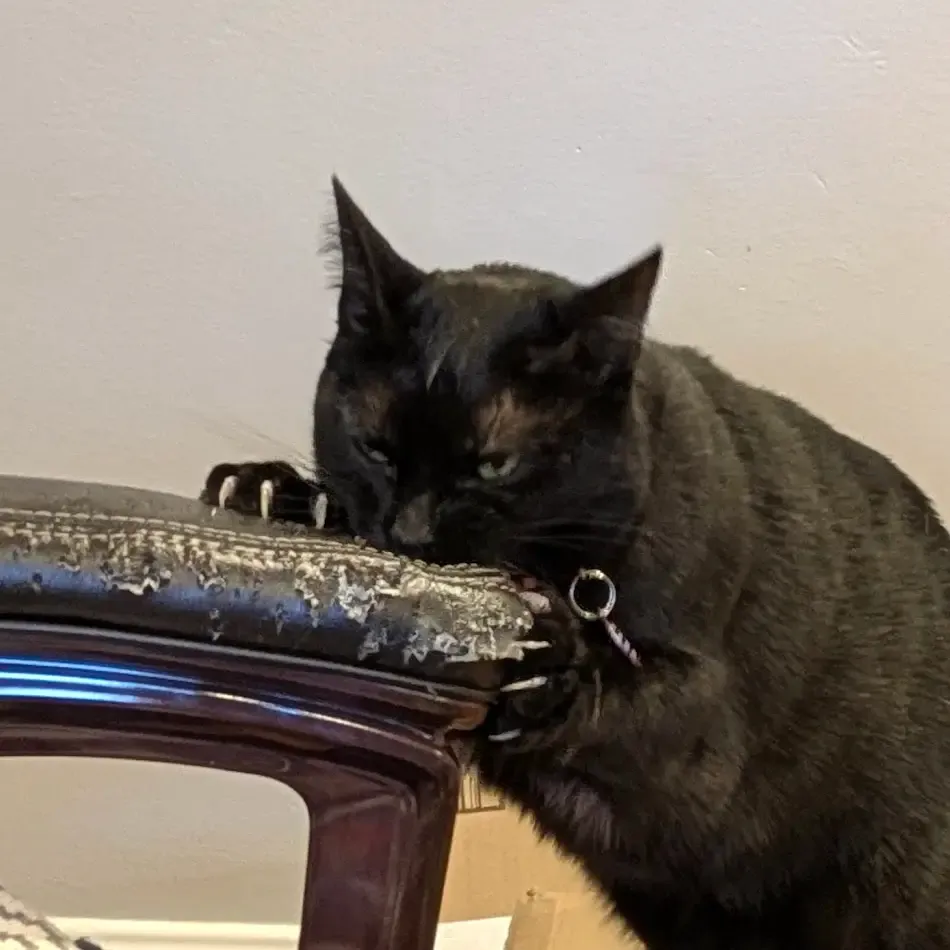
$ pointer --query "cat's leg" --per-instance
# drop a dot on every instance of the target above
(540, 690)
(269, 490)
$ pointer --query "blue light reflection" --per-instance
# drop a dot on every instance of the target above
(84, 681)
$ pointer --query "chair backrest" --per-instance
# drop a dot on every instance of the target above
(141, 626)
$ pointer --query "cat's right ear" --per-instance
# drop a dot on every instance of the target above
(374, 281)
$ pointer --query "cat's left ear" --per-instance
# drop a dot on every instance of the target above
(375, 281)
(599, 329)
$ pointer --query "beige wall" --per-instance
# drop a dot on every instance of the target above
(163, 176)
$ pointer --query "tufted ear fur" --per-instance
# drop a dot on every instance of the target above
(598, 330)
(374, 280)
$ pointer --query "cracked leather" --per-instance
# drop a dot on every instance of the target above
(102, 556)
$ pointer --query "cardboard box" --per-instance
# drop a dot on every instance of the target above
(499, 867)
(564, 922)
(497, 859)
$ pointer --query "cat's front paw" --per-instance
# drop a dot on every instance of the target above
(268, 490)
(540, 690)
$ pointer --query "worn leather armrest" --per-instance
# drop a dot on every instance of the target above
(109, 557)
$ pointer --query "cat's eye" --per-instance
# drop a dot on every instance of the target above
(494, 467)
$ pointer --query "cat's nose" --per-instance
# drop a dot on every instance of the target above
(412, 526)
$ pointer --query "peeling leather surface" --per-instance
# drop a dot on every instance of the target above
(124, 558)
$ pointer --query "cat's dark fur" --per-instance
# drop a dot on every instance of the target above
(776, 774)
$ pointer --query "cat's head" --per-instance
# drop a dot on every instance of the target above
(480, 415)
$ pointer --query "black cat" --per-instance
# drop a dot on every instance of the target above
(771, 766)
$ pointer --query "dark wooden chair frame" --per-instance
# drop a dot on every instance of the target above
(87, 670)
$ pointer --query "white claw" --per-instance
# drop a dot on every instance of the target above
(534, 645)
(535, 602)
(505, 736)
(534, 683)
(320, 505)
(227, 490)
(267, 498)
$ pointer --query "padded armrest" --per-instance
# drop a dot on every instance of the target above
(153, 563)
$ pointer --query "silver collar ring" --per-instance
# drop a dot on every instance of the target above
(602, 612)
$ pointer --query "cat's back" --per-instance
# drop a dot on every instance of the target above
(795, 460)
(848, 569)
(838, 638)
